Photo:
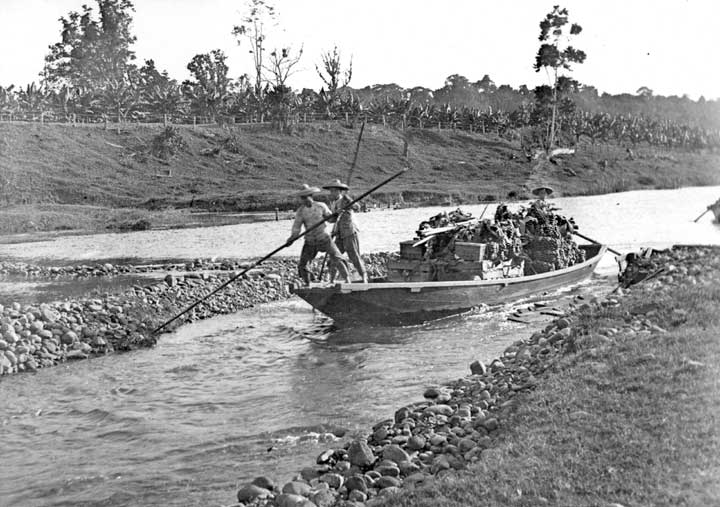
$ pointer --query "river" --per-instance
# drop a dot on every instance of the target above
(261, 392)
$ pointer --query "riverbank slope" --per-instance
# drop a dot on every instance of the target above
(615, 404)
(60, 177)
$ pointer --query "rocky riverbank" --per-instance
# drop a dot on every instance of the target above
(39, 336)
(459, 426)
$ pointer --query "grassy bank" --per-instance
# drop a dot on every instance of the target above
(52, 172)
(623, 418)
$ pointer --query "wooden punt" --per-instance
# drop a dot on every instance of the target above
(406, 303)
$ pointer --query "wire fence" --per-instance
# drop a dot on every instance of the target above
(620, 130)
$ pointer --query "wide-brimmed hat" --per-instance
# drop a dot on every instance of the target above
(336, 184)
(307, 190)
(548, 190)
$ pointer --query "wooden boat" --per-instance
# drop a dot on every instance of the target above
(405, 303)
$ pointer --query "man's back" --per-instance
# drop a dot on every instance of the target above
(309, 216)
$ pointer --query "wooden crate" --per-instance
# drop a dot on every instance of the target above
(408, 251)
(473, 252)
(404, 270)
(461, 271)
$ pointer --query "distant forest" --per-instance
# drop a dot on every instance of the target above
(90, 76)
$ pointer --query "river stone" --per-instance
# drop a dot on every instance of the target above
(263, 482)
(10, 355)
(438, 440)
(3, 345)
(5, 364)
(357, 496)
(440, 463)
(390, 470)
(356, 482)
(360, 454)
(490, 424)
(395, 453)
(76, 354)
(335, 481)
(323, 498)
(465, 444)
(250, 492)
(408, 468)
(431, 393)
(291, 500)
(48, 314)
(342, 466)
(69, 338)
(478, 368)
(380, 434)
(387, 481)
(402, 414)
(10, 336)
(441, 409)
(296, 488)
(416, 443)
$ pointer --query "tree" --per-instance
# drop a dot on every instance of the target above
(252, 28)
(281, 64)
(92, 53)
(158, 92)
(556, 55)
(336, 77)
(211, 89)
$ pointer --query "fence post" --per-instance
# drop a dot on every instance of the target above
(304, 117)
(164, 119)
(194, 121)
(439, 128)
(383, 118)
(346, 118)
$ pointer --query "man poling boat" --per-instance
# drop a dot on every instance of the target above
(289, 242)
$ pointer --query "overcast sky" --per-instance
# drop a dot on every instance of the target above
(669, 46)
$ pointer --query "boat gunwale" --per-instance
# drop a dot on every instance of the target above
(346, 288)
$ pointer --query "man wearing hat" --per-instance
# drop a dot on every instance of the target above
(317, 240)
(345, 231)
(542, 192)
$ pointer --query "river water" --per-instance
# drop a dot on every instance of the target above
(263, 391)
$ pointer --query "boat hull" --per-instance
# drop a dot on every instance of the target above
(416, 302)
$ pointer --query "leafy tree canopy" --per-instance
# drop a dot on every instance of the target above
(93, 52)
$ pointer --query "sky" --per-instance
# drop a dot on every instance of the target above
(669, 46)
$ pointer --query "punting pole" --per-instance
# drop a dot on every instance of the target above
(701, 215)
(287, 244)
(576, 233)
(352, 168)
